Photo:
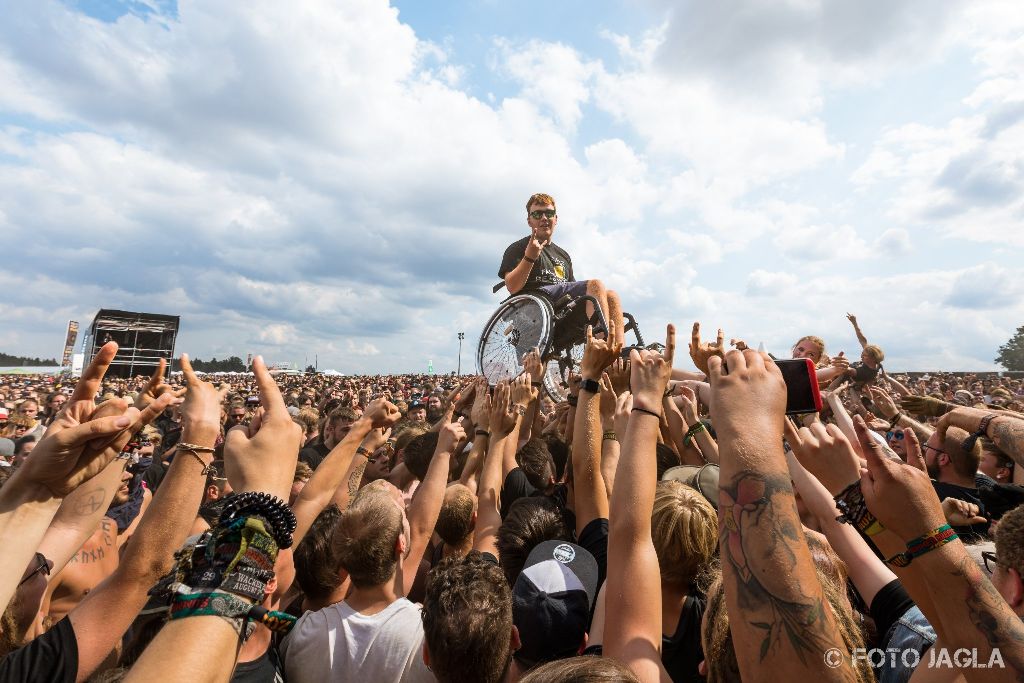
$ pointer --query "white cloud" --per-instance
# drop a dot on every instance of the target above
(317, 179)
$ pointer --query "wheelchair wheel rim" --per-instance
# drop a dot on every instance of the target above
(520, 324)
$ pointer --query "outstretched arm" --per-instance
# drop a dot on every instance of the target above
(106, 612)
(856, 328)
(588, 483)
(502, 419)
(780, 620)
(426, 503)
(633, 592)
(971, 611)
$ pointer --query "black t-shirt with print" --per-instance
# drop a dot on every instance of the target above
(553, 266)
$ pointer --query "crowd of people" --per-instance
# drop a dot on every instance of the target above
(661, 523)
(654, 523)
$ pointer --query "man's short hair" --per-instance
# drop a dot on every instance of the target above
(965, 463)
(1010, 540)
(366, 535)
(419, 452)
(529, 522)
(467, 620)
(559, 453)
(540, 198)
(342, 413)
(316, 564)
(537, 464)
(455, 521)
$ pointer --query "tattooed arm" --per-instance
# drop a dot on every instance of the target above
(972, 613)
(79, 514)
(781, 623)
(1006, 431)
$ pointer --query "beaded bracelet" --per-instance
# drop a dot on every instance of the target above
(279, 516)
(922, 545)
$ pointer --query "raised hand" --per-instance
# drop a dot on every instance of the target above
(200, 412)
(85, 437)
(533, 367)
(536, 245)
(155, 388)
(523, 392)
(749, 401)
(261, 457)
(701, 353)
(503, 415)
(382, 413)
(900, 496)
(618, 372)
(825, 453)
(599, 354)
(649, 373)
(449, 437)
(886, 406)
(481, 411)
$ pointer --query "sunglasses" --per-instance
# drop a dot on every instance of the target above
(894, 435)
(43, 566)
(543, 213)
(989, 556)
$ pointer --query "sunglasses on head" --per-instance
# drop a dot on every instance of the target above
(543, 213)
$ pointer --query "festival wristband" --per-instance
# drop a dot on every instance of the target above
(850, 502)
(922, 545)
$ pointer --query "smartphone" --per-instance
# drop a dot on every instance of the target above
(802, 395)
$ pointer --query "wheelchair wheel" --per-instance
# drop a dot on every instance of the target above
(556, 374)
(520, 324)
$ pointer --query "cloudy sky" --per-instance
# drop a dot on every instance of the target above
(340, 177)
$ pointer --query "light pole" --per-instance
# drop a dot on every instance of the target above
(462, 335)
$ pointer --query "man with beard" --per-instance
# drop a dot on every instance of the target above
(953, 470)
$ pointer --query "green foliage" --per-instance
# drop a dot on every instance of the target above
(1011, 354)
(16, 361)
(232, 364)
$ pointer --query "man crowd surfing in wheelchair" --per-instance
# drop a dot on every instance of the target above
(536, 263)
(658, 524)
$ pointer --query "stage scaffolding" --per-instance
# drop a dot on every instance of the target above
(142, 338)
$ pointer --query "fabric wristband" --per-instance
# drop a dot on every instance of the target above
(692, 431)
(610, 435)
(591, 385)
(922, 545)
(528, 259)
(572, 400)
(850, 502)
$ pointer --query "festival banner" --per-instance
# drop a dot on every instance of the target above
(69, 344)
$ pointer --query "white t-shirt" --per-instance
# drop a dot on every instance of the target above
(337, 643)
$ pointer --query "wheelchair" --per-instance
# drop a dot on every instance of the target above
(558, 329)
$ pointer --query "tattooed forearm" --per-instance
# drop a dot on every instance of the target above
(762, 545)
(1008, 435)
(91, 502)
(356, 477)
(992, 617)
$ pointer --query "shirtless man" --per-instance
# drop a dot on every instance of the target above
(95, 561)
